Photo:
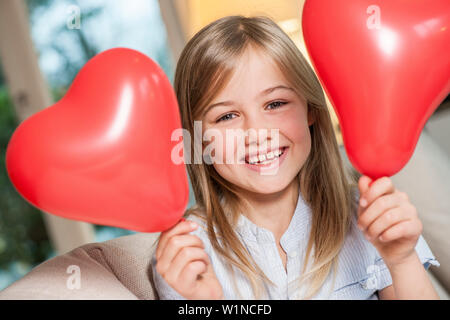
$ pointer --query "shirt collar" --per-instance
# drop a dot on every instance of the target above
(294, 234)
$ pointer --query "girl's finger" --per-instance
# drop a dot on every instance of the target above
(183, 257)
(378, 188)
(179, 228)
(189, 274)
(377, 208)
(363, 186)
(386, 220)
(175, 244)
(409, 228)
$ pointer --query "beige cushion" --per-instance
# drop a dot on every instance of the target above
(115, 269)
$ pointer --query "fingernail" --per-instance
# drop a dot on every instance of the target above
(193, 225)
(363, 202)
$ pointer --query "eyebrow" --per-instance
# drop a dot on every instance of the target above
(263, 93)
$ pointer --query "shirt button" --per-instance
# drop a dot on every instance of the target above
(293, 254)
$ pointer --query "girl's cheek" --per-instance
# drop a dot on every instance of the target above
(221, 146)
(294, 126)
(297, 133)
(233, 147)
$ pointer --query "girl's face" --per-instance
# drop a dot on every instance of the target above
(258, 97)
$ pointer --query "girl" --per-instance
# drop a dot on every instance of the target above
(298, 233)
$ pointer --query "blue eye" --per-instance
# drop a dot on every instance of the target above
(225, 117)
(277, 104)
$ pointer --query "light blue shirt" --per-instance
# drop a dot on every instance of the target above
(361, 271)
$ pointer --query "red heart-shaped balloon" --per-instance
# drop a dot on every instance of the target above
(385, 66)
(102, 154)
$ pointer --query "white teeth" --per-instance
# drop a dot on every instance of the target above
(254, 159)
(264, 158)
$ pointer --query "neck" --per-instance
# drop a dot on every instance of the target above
(273, 211)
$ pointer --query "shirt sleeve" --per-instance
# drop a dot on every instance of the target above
(164, 290)
(381, 276)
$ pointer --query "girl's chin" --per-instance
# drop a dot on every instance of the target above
(274, 186)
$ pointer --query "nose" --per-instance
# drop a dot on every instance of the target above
(257, 131)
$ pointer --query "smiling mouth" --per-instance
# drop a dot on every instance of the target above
(267, 158)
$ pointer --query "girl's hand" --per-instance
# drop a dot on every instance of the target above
(388, 220)
(184, 264)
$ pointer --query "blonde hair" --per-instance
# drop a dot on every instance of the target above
(204, 68)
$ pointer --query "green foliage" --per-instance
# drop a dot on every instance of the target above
(23, 237)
